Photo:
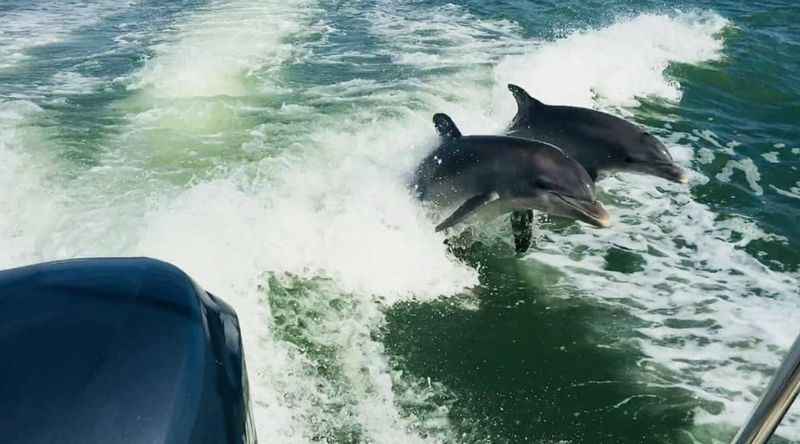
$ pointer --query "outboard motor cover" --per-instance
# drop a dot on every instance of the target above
(124, 351)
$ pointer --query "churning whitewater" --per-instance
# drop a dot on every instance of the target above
(265, 147)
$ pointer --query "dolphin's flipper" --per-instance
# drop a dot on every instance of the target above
(445, 126)
(471, 205)
(522, 227)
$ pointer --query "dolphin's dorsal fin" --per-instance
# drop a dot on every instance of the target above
(526, 105)
(445, 126)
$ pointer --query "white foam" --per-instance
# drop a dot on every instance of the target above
(771, 157)
(705, 156)
(47, 23)
(71, 82)
(793, 192)
(26, 206)
(350, 222)
(215, 49)
(442, 36)
(710, 137)
(616, 64)
(750, 170)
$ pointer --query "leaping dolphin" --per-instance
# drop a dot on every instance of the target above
(493, 175)
(602, 143)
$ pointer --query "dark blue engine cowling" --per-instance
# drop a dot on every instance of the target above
(118, 351)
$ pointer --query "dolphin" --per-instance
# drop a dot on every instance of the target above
(493, 175)
(602, 143)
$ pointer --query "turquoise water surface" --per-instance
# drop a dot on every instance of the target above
(265, 146)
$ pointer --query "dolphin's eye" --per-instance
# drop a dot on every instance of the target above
(543, 183)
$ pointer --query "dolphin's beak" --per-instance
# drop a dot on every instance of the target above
(593, 213)
(669, 171)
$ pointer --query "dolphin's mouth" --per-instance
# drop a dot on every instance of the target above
(592, 213)
(667, 170)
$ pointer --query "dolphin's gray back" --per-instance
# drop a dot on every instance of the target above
(470, 165)
(588, 136)
(467, 166)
